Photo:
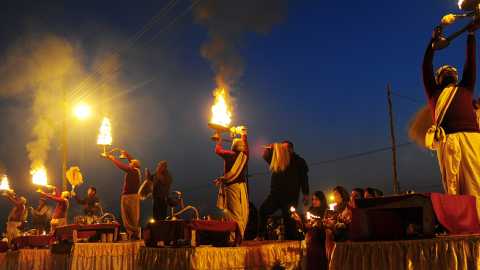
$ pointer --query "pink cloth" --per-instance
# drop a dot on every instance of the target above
(168, 230)
(32, 240)
(83, 231)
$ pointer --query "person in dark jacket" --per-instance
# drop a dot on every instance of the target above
(287, 179)
(160, 182)
(90, 211)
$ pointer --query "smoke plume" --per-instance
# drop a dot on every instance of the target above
(227, 21)
(34, 69)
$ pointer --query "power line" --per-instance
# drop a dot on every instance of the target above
(109, 76)
(412, 99)
(321, 162)
(122, 49)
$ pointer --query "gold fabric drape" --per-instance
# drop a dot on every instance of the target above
(251, 255)
(27, 259)
(104, 255)
(98, 256)
(452, 253)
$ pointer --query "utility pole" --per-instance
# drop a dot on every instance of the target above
(395, 181)
(64, 144)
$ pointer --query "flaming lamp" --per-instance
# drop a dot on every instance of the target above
(4, 185)
(105, 138)
(466, 5)
(39, 176)
(332, 205)
(221, 116)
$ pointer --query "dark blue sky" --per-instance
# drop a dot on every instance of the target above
(312, 72)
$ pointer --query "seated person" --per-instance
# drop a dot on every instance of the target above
(369, 193)
(357, 193)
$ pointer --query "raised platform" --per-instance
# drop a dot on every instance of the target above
(251, 255)
(119, 255)
(453, 252)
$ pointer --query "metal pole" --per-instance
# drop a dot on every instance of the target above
(395, 181)
(64, 146)
(64, 141)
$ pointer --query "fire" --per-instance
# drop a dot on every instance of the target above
(332, 206)
(4, 185)
(221, 114)
(105, 136)
(39, 176)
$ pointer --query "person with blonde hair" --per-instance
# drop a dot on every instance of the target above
(130, 197)
(289, 175)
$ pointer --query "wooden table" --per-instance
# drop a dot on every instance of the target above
(456, 213)
(83, 231)
(428, 214)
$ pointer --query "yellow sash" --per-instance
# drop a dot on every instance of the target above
(436, 132)
(229, 177)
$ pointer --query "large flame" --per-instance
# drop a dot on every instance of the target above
(221, 114)
(39, 176)
(4, 185)
(105, 136)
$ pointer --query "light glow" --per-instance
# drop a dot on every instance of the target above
(460, 4)
(292, 209)
(82, 111)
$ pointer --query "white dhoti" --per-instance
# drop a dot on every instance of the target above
(459, 161)
(12, 230)
(237, 206)
(131, 213)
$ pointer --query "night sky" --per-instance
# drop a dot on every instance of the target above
(311, 72)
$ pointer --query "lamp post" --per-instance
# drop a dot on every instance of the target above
(81, 112)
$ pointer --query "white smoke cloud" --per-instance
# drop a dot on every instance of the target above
(227, 21)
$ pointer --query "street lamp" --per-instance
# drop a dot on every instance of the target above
(81, 111)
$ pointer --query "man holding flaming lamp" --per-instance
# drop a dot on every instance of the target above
(58, 219)
(130, 197)
(15, 217)
(455, 134)
(233, 191)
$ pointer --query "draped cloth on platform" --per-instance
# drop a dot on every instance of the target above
(455, 252)
(459, 161)
(27, 259)
(103, 256)
(131, 212)
(251, 255)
